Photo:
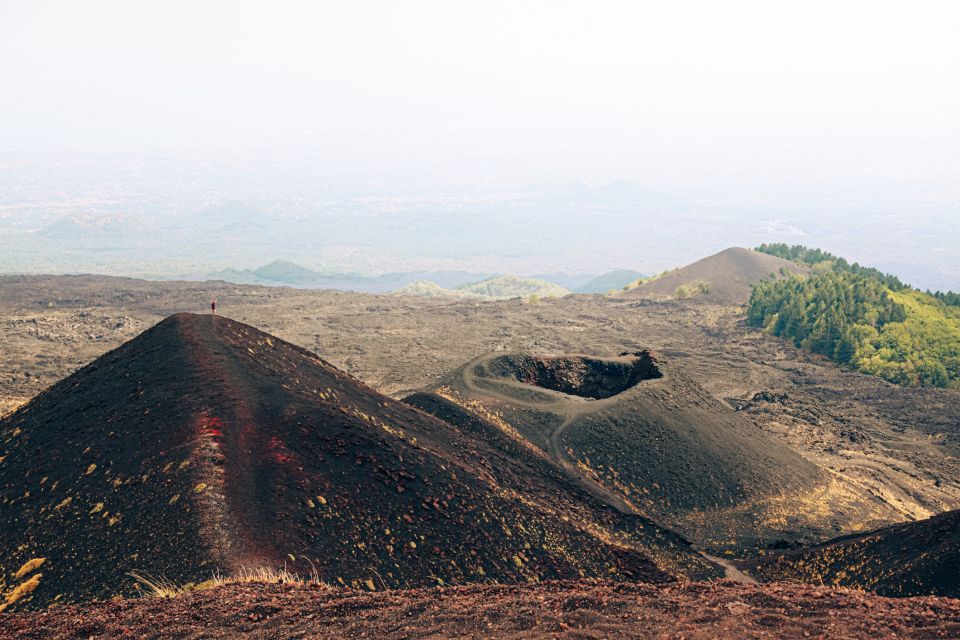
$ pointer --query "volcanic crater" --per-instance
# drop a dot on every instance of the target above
(579, 375)
(636, 432)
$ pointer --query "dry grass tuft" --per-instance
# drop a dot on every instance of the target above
(165, 588)
(22, 590)
(158, 587)
(28, 567)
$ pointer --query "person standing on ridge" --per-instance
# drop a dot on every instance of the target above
(213, 306)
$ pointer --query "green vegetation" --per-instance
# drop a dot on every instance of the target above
(823, 262)
(497, 288)
(948, 298)
(864, 319)
(508, 286)
(692, 289)
(639, 281)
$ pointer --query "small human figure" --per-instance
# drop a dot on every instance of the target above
(213, 306)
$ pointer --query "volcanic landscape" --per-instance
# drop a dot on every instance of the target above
(416, 467)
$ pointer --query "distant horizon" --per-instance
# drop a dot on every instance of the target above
(903, 272)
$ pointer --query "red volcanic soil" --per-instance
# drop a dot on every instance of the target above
(205, 445)
(569, 610)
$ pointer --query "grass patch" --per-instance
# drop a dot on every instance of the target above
(161, 587)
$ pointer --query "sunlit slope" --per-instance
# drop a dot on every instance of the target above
(901, 335)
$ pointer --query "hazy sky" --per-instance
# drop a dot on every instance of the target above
(827, 122)
(599, 87)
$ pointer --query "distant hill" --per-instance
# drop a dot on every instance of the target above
(286, 273)
(610, 281)
(914, 558)
(428, 289)
(204, 445)
(566, 280)
(495, 288)
(508, 286)
(724, 278)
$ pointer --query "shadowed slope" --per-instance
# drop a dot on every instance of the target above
(726, 276)
(914, 558)
(204, 444)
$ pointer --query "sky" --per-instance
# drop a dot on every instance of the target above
(874, 78)
(685, 95)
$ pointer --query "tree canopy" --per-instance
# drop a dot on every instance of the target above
(858, 319)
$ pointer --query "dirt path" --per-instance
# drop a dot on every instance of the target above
(570, 409)
(730, 571)
(230, 498)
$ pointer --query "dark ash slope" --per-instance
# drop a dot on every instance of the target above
(206, 445)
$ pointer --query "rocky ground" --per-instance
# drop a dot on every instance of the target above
(567, 610)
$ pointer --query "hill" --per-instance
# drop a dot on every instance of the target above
(723, 278)
(914, 558)
(286, 272)
(636, 433)
(204, 445)
(570, 281)
(507, 286)
(901, 335)
(610, 281)
(495, 288)
(427, 289)
(565, 610)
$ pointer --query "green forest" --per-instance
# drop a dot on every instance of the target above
(861, 318)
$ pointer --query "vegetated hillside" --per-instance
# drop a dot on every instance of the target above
(496, 288)
(563, 610)
(508, 286)
(857, 319)
(822, 261)
(206, 445)
(636, 433)
(610, 281)
(427, 289)
(724, 278)
(914, 558)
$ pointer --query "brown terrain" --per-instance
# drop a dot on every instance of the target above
(820, 453)
(727, 276)
(558, 610)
